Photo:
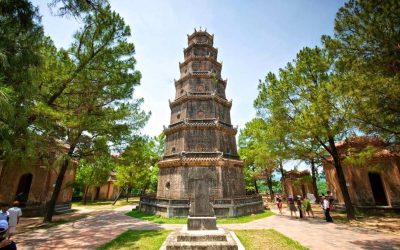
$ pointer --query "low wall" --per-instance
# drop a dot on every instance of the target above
(229, 207)
(39, 210)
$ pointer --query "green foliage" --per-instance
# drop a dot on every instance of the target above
(21, 37)
(76, 8)
(254, 150)
(277, 186)
(94, 172)
(322, 187)
(367, 43)
(356, 157)
(137, 167)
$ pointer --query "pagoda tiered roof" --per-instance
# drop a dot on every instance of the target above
(190, 75)
(187, 158)
(199, 58)
(200, 96)
(194, 44)
(200, 32)
(201, 123)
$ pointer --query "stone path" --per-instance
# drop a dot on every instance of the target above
(317, 234)
(95, 230)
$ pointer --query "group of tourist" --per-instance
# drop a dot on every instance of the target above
(303, 206)
(9, 218)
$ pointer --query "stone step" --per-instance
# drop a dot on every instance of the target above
(217, 245)
(62, 208)
(201, 238)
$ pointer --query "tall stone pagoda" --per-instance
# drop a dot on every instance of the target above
(200, 140)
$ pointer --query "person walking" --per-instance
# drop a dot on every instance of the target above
(325, 207)
(14, 214)
(292, 207)
(299, 206)
(307, 207)
(279, 205)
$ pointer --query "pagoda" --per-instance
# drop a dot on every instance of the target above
(200, 140)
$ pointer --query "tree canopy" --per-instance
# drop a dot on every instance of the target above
(366, 39)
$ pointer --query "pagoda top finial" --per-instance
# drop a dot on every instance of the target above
(200, 32)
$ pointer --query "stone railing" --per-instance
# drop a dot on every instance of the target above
(229, 207)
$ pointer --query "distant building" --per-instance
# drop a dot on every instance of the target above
(298, 183)
(373, 182)
(108, 191)
(33, 185)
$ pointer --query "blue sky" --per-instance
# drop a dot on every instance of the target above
(252, 37)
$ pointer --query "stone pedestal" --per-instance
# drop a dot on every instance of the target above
(202, 223)
(217, 239)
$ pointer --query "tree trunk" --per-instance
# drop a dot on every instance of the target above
(283, 182)
(85, 194)
(271, 191)
(127, 195)
(314, 180)
(255, 186)
(342, 181)
(52, 203)
(116, 199)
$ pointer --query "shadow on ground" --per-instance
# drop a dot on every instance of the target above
(378, 244)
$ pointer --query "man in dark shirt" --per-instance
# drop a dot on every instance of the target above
(5, 244)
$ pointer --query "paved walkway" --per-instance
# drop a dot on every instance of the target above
(95, 230)
(317, 234)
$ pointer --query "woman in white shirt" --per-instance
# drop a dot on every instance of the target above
(325, 207)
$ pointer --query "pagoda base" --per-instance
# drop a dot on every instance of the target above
(204, 240)
(227, 207)
(202, 223)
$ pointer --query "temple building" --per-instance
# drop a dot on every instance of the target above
(107, 191)
(372, 173)
(298, 183)
(200, 140)
(32, 185)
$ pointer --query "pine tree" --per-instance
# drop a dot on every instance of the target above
(88, 91)
(305, 96)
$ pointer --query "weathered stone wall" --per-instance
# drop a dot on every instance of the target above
(204, 39)
(108, 191)
(201, 50)
(174, 143)
(196, 84)
(173, 182)
(200, 109)
(42, 185)
(302, 189)
(202, 65)
(228, 207)
(359, 185)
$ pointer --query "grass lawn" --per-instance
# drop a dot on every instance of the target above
(266, 239)
(137, 239)
(162, 220)
(100, 205)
